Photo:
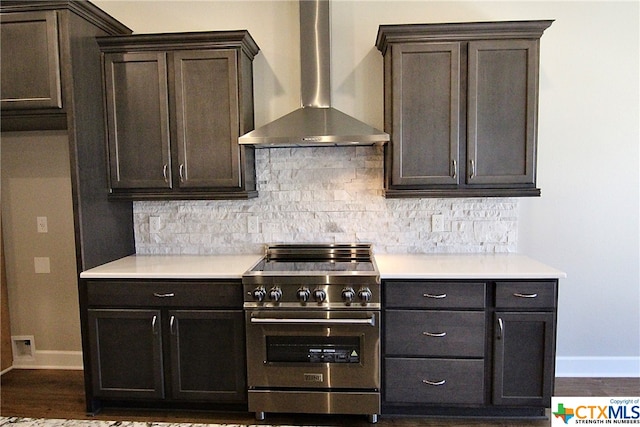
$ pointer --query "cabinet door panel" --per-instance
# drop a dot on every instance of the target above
(503, 76)
(524, 363)
(207, 355)
(435, 333)
(529, 295)
(441, 381)
(426, 113)
(434, 294)
(30, 64)
(126, 353)
(207, 118)
(138, 120)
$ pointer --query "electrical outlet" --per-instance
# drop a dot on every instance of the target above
(252, 224)
(42, 225)
(437, 223)
(154, 224)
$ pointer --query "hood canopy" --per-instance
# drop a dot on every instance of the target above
(316, 123)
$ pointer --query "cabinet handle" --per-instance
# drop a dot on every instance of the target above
(500, 328)
(181, 171)
(454, 166)
(434, 296)
(434, 383)
(164, 173)
(167, 295)
(435, 334)
(519, 295)
(172, 325)
(154, 325)
(472, 174)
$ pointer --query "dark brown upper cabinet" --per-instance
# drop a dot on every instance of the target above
(176, 105)
(30, 76)
(461, 106)
(51, 80)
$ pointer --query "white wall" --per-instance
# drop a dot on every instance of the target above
(586, 221)
(36, 182)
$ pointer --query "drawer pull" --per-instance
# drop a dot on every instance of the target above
(167, 295)
(172, 325)
(434, 383)
(439, 296)
(154, 325)
(500, 328)
(435, 334)
(519, 295)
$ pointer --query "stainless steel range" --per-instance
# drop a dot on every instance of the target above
(313, 330)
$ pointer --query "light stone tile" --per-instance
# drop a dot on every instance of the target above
(326, 195)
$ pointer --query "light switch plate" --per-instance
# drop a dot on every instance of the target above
(42, 265)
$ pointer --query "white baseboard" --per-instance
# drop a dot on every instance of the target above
(566, 366)
(597, 366)
(48, 359)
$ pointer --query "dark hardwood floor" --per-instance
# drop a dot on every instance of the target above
(60, 394)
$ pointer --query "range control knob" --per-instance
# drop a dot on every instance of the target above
(303, 294)
(348, 295)
(319, 295)
(259, 294)
(364, 294)
(275, 294)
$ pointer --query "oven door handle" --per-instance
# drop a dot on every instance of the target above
(281, 321)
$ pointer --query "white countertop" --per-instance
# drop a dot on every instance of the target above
(400, 266)
(464, 266)
(174, 267)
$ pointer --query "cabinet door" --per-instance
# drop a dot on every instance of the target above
(30, 65)
(138, 120)
(426, 113)
(126, 353)
(502, 111)
(207, 355)
(207, 118)
(524, 364)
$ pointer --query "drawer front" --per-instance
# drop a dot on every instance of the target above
(527, 295)
(434, 333)
(434, 294)
(164, 294)
(438, 381)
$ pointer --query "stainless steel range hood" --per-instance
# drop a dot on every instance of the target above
(316, 123)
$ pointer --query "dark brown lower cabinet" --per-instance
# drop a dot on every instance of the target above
(201, 350)
(126, 346)
(207, 355)
(524, 358)
(469, 348)
(163, 343)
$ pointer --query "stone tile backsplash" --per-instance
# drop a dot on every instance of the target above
(328, 194)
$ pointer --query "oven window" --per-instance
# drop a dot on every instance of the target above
(313, 349)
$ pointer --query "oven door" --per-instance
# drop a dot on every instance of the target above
(310, 349)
